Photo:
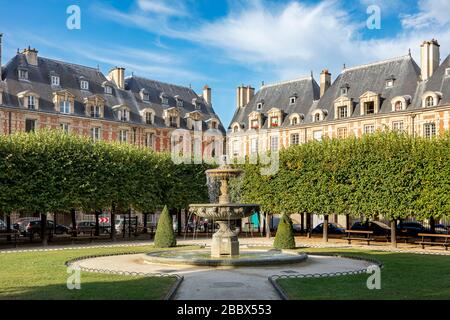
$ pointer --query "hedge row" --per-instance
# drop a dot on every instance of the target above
(389, 174)
(53, 172)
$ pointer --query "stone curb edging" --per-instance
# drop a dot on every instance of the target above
(283, 295)
(169, 296)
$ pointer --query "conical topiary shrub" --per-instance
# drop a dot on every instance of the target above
(285, 234)
(165, 237)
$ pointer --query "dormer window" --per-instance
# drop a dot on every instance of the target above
(447, 72)
(149, 117)
(64, 106)
(398, 106)
(344, 90)
(95, 111)
(55, 81)
(259, 106)
(429, 102)
(164, 99)
(108, 90)
(342, 112)
(63, 101)
(274, 121)
(431, 99)
(124, 115)
(23, 74)
(29, 99)
(236, 129)
(293, 99)
(31, 102)
(179, 103)
(84, 85)
(317, 117)
(145, 96)
(389, 83)
(254, 124)
(294, 121)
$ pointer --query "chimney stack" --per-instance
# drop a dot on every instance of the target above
(244, 95)
(207, 94)
(117, 75)
(31, 55)
(430, 58)
(325, 81)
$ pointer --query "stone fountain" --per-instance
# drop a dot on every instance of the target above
(225, 242)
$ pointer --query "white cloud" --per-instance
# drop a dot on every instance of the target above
(432, 13)
(164, 7)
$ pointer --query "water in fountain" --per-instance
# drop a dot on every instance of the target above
(213, 189)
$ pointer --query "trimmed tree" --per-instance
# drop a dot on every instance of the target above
(165, 237)
(284, 238)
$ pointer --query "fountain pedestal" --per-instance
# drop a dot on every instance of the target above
(224, 242)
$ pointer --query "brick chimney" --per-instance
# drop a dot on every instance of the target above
(31, 55)
(430, 58)
(325, 81)
(117, 76)
(243, 95)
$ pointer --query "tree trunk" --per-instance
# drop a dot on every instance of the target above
(113, 223)
(129, 223)
(145, 222)
(97, 223)
(394, 233)
(325, 228)
(44, 235)
(74, 222)
(267, 226)
(432, 225)
(347, 222)
(308, 225)
(302, 223)
(179, 221)
(8, 227)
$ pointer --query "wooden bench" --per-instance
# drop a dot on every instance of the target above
(359, 235)
(431, 237)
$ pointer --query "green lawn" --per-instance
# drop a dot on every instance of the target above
(404, 276)
(43, 275)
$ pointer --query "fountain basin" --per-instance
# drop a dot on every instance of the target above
(248, 257)
(223, 212)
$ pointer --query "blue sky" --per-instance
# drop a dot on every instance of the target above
(224, 43)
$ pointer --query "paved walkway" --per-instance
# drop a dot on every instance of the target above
(203, 283)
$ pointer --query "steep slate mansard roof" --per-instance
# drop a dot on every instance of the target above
(439, 82)
(373, 77)
(70, 77)
(277, 96)
(156, 88)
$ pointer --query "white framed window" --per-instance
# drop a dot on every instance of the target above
(108, 90)
(235, 129)
(429, 130)
(389, 83)
(294, 121)
(149, 137)
(55, 81)
(146, 96)
(124, 115)
(342, 112)
(344, 91)
(235, 146)
(369, 107)
(398, 126)
(342, 133)
(64, 106)
(123, 136)
(149, 118)
(398, 106)
(254, 146)
(95, 111)
(173, 121)
(318, 135)
(164, 101)
(84, 85)
(259, 106)
(31, 102)
(292, 100)
(274, 143)
(65, 127)
(23, 74)
(179, 103)
(198, 106)
(369, 128)
(429, 102)
(95, 134)
(295, 139)
(317, 117)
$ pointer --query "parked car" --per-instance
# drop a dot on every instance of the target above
(88, 227)
(378, 228)
(22, 223)
(124, 223)
(34, 227)
(2, 225)
(411, 229)
(442, 229)
(333, 228)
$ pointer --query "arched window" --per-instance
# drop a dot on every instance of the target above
(398, 106)
(235, 129)
(429, 102)
(317, 117)
(294, 121)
